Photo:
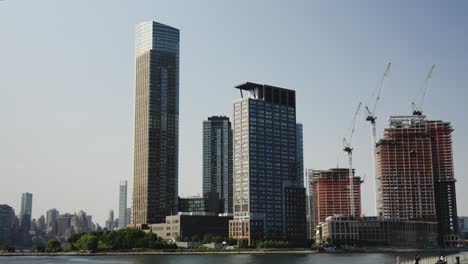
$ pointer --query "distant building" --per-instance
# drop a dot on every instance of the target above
(123, 204)
(415, 175)
(7, 224)
(331, 193)
(209, 203)
(64, 225)
(463, 226)
(265, 167)
(26, 207)
(217, 159)
(51, 221)
(128, 216)
(190, 225)
(110, 220)
(79, 222)
(375, 231)
(156, 146)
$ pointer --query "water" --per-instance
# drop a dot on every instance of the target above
(377, 258)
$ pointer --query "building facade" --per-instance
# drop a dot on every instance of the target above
(309, 181)
(415, 174)
(155, 186)
(463, 227)
(265, 166)
(331, 194)
(217, 159)
(300, 153)
(376, 231)
(210, 203)
(123, 204)
(7, 223)
(185, 226)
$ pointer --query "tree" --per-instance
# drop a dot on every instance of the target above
(88, 242)
(195, 238)
(40, 248)
(53, 246)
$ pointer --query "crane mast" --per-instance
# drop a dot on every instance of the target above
(371, 117)
(417, 109)
(347, 147)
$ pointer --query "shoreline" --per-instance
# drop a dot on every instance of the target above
(227, 252)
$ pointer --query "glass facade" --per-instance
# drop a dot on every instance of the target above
(155, 188)
(265, 162)
(217, 159)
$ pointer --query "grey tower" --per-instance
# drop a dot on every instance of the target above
(217, 159)
(26, 206)
(123, 204)
(155, 178)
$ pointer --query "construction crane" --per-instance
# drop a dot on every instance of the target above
(371, 117)
(347, 147)
(417, 109)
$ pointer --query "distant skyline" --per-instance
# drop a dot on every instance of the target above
(68, 82)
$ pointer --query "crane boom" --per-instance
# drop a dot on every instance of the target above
(417, 109)
(347, 147)
(379, 93)
(371, 117)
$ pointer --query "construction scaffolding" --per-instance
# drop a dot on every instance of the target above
(331, 194)
(415, 174)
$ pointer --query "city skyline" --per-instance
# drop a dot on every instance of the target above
(321, 69)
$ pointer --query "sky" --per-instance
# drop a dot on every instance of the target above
(67, 84)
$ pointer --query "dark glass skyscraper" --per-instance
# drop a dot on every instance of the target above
(155, 186)
(268, 198)
(26, 207)
(217, 159)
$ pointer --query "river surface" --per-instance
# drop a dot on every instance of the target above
(368, 258)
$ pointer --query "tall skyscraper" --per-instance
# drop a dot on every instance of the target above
(415, 174)
(300, 153)
(155, 180)
(26, 206)
(123, 204)
(269, 200)
(331, 194)
(217, 159)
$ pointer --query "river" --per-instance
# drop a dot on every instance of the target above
(368, 258)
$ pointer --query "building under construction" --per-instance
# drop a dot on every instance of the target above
(415, 175)
(331, 194)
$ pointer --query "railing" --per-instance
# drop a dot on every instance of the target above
(451, 259)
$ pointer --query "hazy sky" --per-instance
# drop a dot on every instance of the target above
(67, 83)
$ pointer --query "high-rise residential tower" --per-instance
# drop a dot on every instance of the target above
(155, 180)
(415, 174)
(268, 199)
(123, 204)
(217, 159)
(26, 206)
